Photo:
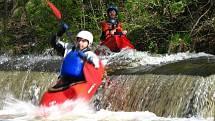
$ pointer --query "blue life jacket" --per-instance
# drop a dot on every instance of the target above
(72, 66)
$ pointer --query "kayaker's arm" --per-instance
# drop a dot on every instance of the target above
(119, 29)
(55, 42)
(90, 57)
(114, 28)
(63, 28)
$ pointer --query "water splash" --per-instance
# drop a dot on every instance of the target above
(17, 110)
(128, 58)
(4, 58)
(20, 110)
(29, 62)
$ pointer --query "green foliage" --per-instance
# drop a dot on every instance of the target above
(176, 7)
(179, 41)
(6, 42)
(137, 15)
(179, 37)
(153, 25)
(175, 39)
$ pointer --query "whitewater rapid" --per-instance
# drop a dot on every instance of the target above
(19, 110)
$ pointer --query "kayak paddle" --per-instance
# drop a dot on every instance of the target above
(54, 9)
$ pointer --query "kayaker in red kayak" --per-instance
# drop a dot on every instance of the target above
(113, 37)
(81, 71)
(111, 24)
(74, 55)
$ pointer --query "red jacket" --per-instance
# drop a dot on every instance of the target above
(107, 27)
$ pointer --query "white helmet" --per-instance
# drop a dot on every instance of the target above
(86, 35)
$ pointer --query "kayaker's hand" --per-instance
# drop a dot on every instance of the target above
(63, 28)
(96, 66)
(124, 32)
(90, 60)
(112, 32)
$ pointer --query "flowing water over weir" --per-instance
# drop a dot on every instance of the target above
(175, 95)
(138, 87)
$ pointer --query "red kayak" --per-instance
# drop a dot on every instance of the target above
(117, 42)
(84, 90)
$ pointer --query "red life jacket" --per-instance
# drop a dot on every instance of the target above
(107, 27)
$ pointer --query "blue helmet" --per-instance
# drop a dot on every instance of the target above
(112, 7)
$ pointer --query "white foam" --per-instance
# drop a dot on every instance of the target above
(133, 58)
(79, 110)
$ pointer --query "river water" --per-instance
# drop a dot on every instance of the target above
(139, 86)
